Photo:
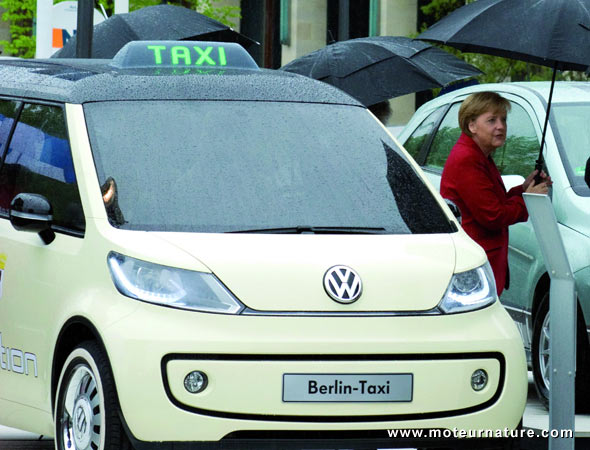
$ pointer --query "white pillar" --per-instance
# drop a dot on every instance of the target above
(44, 32)
(121, 6)
(563, 310)
(399, 18)
(307, 27)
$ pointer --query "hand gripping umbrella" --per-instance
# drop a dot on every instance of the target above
(378, 68)
(159, 22)
(553, 33)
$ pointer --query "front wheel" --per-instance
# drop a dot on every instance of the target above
(87, 412)
(540, 356)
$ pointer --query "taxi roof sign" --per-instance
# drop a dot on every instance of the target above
(183, 54)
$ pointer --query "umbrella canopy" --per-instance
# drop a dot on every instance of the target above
(378, 68)
(553, 33)
(159, 22)
(546, 32)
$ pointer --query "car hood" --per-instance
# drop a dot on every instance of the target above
(273, 272)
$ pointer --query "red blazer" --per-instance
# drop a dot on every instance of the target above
(474, 183)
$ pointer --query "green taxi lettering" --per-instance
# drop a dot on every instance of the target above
(180, 55)
(157, 52)
(179, 52)
(204, 56)
(222, 59)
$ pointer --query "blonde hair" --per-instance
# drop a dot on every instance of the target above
(478, 104)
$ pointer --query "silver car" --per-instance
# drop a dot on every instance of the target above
(429, 137)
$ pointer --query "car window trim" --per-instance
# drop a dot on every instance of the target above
(523, 102)
(512, 97)
(537, 121)
(15, 121)
(33, 101)
(579, 189)
(425, 150)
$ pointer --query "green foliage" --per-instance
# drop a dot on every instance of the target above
(494, 68)
(515, 156)
(414, 144)
(437, 9)
(20, 14)
(223, 14)
(443, 142)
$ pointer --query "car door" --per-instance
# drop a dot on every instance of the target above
(430, 144)
(36, 158)
(447, 133)
(516, 160)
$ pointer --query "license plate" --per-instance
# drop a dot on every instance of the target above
(390, 387)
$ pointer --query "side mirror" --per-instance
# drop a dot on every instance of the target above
(587, 173)
(454, 209)
(33, 213)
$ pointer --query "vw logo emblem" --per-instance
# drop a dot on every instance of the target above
(343, 284)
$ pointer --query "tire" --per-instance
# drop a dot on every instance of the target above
(87, 410)
(540, 357)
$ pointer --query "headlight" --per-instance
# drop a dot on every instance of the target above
(474, 289)
(170, 286)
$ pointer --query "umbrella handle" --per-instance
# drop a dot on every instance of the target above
(539, 167)
(539, 162)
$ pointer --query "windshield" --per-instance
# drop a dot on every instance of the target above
(573, 138)
(231, 166)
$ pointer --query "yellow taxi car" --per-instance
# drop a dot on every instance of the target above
(196, 251)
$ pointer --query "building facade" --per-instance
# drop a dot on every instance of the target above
(288, 29)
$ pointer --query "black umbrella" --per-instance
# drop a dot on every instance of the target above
(378, 68)
(553, 33)
(159, 22)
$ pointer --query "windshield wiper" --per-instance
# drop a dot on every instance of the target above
(305, 229)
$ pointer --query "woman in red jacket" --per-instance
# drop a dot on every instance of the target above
(472, 181)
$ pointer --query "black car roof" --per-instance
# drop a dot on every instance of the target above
(88, 80)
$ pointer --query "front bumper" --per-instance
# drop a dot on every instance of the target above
(246, 357)
(441, 386)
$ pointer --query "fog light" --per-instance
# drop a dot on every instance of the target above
(195, 382)
(479, 379)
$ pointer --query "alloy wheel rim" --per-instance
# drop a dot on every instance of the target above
(543, 354)
(80, 414)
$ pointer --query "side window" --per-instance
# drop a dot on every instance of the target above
(446, 136)
(39, 161)
(8, 112)
(518, 155)
(416, 140)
